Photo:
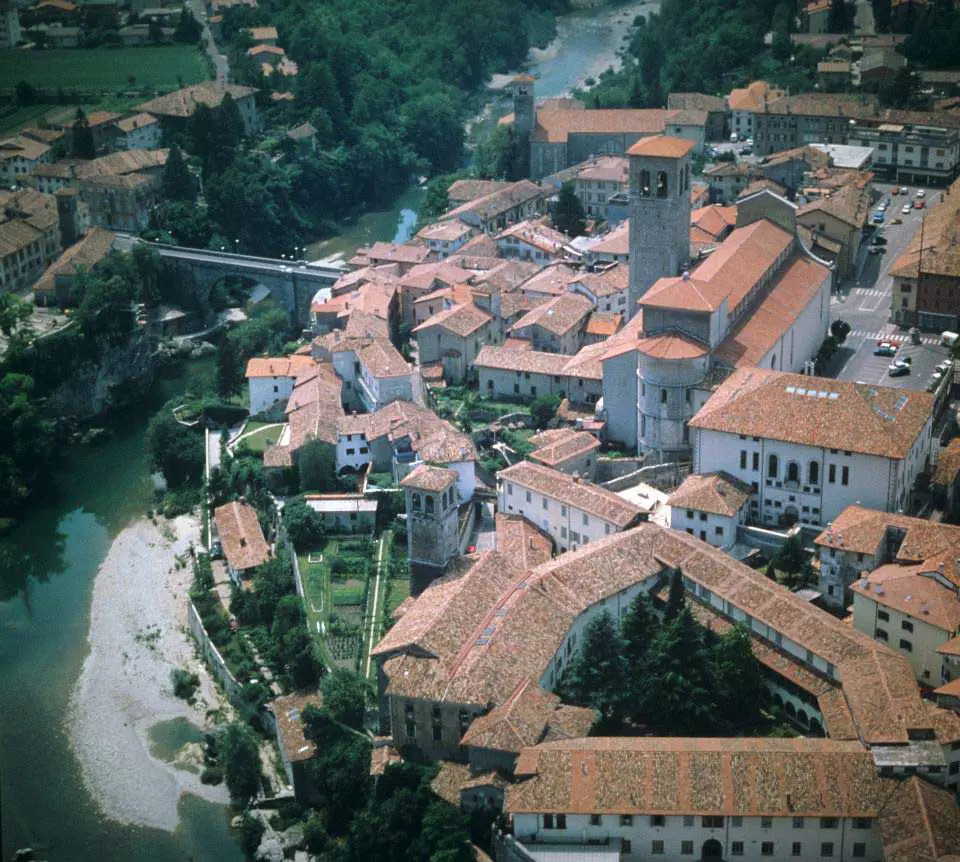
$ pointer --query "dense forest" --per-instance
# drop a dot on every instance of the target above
(386, 85)
(706, 46)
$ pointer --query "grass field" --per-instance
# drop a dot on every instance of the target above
(103, 68)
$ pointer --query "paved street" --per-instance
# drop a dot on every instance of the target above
(865, 305)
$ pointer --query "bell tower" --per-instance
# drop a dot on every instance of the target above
(524, 107)
(660, 172)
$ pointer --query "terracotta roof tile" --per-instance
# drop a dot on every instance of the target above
(558, 316)
(556, 447)
(661, 147)
(585, 496)
(920, 823)
(718, 493)
(462, 320)
(427, 478)
(555, 126)
(873, 420)
(278, 366)
(183, 103)
(240, 535)
(675, 775)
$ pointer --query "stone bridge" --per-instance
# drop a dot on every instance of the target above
(292, 283)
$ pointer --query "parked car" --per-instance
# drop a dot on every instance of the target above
(898, 368)
(919, 204)
(894, 191)
(907, 209)
(921, 193)
(879, 217)
(876, 249)
(904, 190)
(746, 151)
(885, 348)
(879, 239)
(882, 207)
(945, 366)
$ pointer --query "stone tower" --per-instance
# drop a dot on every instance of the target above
(431, 503)
(524, 107)
(659, 212)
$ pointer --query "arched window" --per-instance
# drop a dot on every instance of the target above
(428, 508)
(814, 473)
(773, 467)
(416, 502)
(645, 184)
(793, 472)
(661, 184)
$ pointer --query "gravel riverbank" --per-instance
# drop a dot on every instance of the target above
(137, 635)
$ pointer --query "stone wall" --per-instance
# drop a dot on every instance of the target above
(211, 655)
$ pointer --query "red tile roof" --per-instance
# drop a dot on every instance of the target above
(661, 147)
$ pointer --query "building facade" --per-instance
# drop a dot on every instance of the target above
(431, 504)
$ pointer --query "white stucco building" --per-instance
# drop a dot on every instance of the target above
(571, 511)
(812, 446)
(270, 379)
(710, 507)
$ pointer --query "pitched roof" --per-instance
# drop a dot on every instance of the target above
(941, 242)
(863, 530)
(914, 591)
(537, 234)
(314, 406)
(552, 280)
(849, 204)
(499, 201)
(948, 463)
(278, 366)
(585, 496)
(522, 541)
(677, 775)
(462, 320)
(752, 97)
(555, 126)
(529, 716)
(798, 280)
(604, 283)
(183, 103)
(815, 411)
(137, 121)
(743, 259)
(661, 147)
(262, 33)
(920, 823)
(122, 163)
(88, 252)
(603, 323)
(557, 316)
(556, 447)
(288, 711)
(717, 493)
(695, 101)
(469, 190)
(427, 478)
(22, 147)
(671, 345)
(240, 535)
(382, 359)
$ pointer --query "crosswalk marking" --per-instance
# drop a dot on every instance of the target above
(890, 336)
(869, 291)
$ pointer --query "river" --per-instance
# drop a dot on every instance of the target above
(47, 568)
(586, 44)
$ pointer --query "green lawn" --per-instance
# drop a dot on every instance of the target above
(261, 437)
(397, 591)
(103, 68)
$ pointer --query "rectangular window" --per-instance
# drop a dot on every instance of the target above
(703, 516)
(845, 476)
(626, 845)
(586, 520)
(829, 823)
(688, 820)
(859, 850)
(766, 822)
(561, 821)
(545, 504)
(883, 616)
(574, 536)
(906, 646)
(798, 823)
(766, 848)
(826, 849)
(548, 821)
(711, 822)
(686, 848)
(529, 497)
(737, 822)
(437, 733)
(832, 473)
(656, 848)
(563, 532)
(657, 820)
(596, 820)
(626, 820)
(755, 466)
(743, 459)
(906, 625)
(718, 531)
(563, 511)
(736, 848)
(796, 849)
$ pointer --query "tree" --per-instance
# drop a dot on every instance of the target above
(840, 329)
(317, 466)
(240, 755)
(304, 526)
(177, 183)
(345, 694)
(678, 697)
(24, 94)
(738, 680)
(435, 130)
(188, 28)
(174, 449)
(638, 630)
(882, 14)
(840, 17)
(675, 599)
(568, 215)
(229, 368)
(543, 409)
(597, 676)
(82, 137)
(499, 155)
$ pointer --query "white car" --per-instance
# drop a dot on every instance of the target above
(921, 193)
(907, 209)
